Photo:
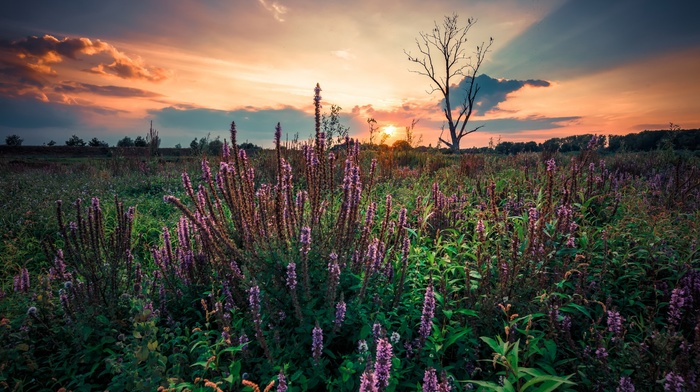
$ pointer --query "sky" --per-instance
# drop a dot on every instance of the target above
(556, 68)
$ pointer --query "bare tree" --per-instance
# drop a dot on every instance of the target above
(449, 40)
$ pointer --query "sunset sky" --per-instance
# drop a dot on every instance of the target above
(106, 69)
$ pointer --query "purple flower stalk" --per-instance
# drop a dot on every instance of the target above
(305, 239)
(625, 385)
(426, 320)
(674, 382)
(281, 382)
(243, 340)
(430, 382)
(226, 151)
(21, 281)
(601, 353)
(675, 307)
(206, 171)
(382, 366)
(317, 342)
(480, 229)
(292, 276)
(615, 324)
(551, 165)
(340, 309)
(367, 382)
(376, 330)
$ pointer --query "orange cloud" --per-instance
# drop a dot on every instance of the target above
(39, 53)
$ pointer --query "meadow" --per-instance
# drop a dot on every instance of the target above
(339, 269)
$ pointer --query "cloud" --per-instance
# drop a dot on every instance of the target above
(41, 53)
(22, 113)
(275, 8)
(343, 54)
(532, 123)
(492, 91)
(254, 125)
(581, 37)
(111, 91)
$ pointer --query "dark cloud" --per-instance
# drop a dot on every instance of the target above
(254, 125)
(47, 46)
(585, 36)
(491, 93)
(22, 113)
(111, 91)
(40, 53)
(515, 125)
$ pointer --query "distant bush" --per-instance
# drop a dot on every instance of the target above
(140, 142)
(13, 140)
(75, 141)
(95, 142)
(125, 142)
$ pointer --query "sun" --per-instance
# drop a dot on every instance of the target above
(389, 130)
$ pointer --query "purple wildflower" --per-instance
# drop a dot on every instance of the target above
(21, 281)
(615, 324)
(226, 151)
(480, 229)
(317, 342)
(333, 276)
(675, 307)
(402, 218)
(674, 382)
(367, 382)
(601, 353)
(340, 309)
(206, 171)
(281, 382)
(317, 93)
(292, 276)
(305, 239)
(426, 320)
(243, 341)
(625, 385)
(376, 330)
(382, 366)
(571, 242)
(430, 382)
(551, 165)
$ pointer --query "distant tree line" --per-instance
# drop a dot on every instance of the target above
(644, 141)
(673, 138)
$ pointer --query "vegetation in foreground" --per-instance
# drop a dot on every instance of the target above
(350, 270)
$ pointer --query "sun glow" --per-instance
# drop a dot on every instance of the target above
(389, 130)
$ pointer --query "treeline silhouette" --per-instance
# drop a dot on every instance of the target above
(634, 142)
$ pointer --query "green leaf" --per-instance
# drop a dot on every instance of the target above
(550, 383)
(455, 337)
(487, 384)
(492, 343)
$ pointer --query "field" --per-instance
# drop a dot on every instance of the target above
(351, 269)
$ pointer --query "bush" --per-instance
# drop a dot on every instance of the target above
(13, 140)
(75, 141)
(125, 142)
